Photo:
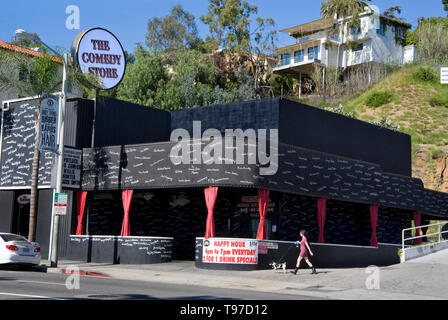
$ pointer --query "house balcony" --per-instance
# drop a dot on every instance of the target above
(300, 58)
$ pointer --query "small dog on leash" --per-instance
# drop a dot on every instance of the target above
(277, 266)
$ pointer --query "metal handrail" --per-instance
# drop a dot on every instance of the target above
(439, 233)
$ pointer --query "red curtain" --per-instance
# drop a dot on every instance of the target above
(210, 199)
(126, 196)
(321, 212)
(417, 223)
(373, 224)
(263, 201)
(81, 204)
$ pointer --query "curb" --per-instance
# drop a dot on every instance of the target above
(82, 273)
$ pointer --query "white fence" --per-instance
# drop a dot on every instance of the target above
(413, 251)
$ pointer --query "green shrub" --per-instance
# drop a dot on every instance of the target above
(424, 74)
(386, 123)
(439, 101)
(379, 98)
(435, 152)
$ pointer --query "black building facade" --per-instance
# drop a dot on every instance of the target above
(321, 155)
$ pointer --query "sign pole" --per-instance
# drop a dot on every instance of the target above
(55, 225)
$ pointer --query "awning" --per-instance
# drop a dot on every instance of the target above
(310, 27)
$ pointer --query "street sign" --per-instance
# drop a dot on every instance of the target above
(71, 175)
(71, 169)
(49, 117)
(444, 75)
(60, 204)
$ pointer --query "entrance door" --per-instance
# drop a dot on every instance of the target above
(21, 217)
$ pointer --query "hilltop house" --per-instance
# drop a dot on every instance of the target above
(332, 43)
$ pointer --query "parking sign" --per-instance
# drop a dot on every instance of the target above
(60, 204)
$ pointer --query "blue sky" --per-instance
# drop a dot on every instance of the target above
(127, 18)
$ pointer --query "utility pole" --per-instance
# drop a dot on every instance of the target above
(419, 34)
(55, 228)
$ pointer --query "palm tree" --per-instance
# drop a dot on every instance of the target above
(343, 9)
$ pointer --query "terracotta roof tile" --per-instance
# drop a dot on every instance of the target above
(30, 52)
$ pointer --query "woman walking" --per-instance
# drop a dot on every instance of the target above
(303, 252)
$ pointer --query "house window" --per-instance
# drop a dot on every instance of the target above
(382, 29)
(359, 47)
(400, 32)
(22, 74)
(313, 53)
(356, 30)
(335, 38)
(286, 59)
(299, 56)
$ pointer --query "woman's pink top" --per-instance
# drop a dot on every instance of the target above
(303, 251)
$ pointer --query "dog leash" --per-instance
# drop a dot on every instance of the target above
(289, 249)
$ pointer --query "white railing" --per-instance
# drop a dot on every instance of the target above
(439, 234)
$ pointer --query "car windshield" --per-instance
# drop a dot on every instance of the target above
(12, 237)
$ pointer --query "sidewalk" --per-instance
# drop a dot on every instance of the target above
(413, 281)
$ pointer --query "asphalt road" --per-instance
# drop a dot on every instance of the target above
(49, 286)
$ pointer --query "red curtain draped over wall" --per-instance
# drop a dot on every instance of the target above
(210, 200)
(417, 223)
(321, 212)
(81, 204)
(126, 196)
(373, 224)
(263, 201)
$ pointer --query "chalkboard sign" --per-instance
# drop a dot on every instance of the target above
(18, 147)
(121, 250)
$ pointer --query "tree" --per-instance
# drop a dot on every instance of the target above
(229, 24)
(30, 43)
(445, 5)
(262, 45)
(390, 13)
(244, 40)
(38, 75)
(143, 79)
(175, 31)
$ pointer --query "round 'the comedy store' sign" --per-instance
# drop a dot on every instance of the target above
(99, 53)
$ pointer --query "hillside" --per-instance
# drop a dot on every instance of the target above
(413, 98)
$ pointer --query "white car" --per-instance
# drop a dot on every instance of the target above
(15, 249)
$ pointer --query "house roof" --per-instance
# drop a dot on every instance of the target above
(311, 27)
(298, 46)
(29, 52)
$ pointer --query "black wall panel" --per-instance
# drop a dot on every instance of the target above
(6, 212)
(307, 127)
(260, 114)
(434, 202)
(317, 174)
(325, 131)
(345, 222)
(43, 222)
(149, 166)
(78, 126)
(120, 122)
